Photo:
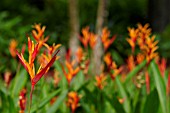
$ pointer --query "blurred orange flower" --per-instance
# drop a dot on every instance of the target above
(71, 71)
(108, 59)
(79, 54)
(131, 62)
(86, 36)
(116, 70)
(150, 47)
(105, 38)
(100, 81)
(73, 101)
(140, 58)
(22, 100)
(133, 33)
(92, 40)
(12, 47)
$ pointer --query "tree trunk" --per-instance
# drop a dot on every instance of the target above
(159, 14)
(98, 49)
(74, 27)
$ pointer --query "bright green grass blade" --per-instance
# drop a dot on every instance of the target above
(58, 102)
(160, 86)
(135, 71)
(123, 94)
(45, 101)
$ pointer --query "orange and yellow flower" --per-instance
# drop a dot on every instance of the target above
(133, 34)
(29, 66)
(116, 70)
(73, 101)
(38, 34)
(131, 62)
(12, 47)
(150, 47)
(86, 36)
(100, 81)
(92, 40)
(71, 71)
(105, 38)
(108, 59)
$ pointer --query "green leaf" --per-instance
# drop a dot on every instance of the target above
(115, 103)
(79, 77)
(63, 82)
(45, 101)
(123, 94)
(20, 81)
(12, 108)
(160, 86)
(58, 102)
(135, 71)
(151, 105)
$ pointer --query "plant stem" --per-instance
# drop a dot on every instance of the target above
(32, 89)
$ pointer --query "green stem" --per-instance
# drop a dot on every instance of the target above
(32, 89)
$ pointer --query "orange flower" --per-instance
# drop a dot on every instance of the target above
(116, 70)
(71, 72)
(22, 100)
(133, 33)
(144, 32)
(79, 54)
(38, 34)
(73, 101)
(140, 58)
(131, 62)
(92, 40)
(150, 48)
(108, 59)
(85, 38)
(12, 47)
(52, 49)
(100, 81)
(29, 66)
(105, 38)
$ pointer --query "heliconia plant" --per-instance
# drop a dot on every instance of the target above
(33, 49)
(141, 84)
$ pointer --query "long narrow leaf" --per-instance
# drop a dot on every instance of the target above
(151, 105)
(20, 82)
(45, 101)
(160, 86)
(123, 94)
(135, 71)
(58, 102)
